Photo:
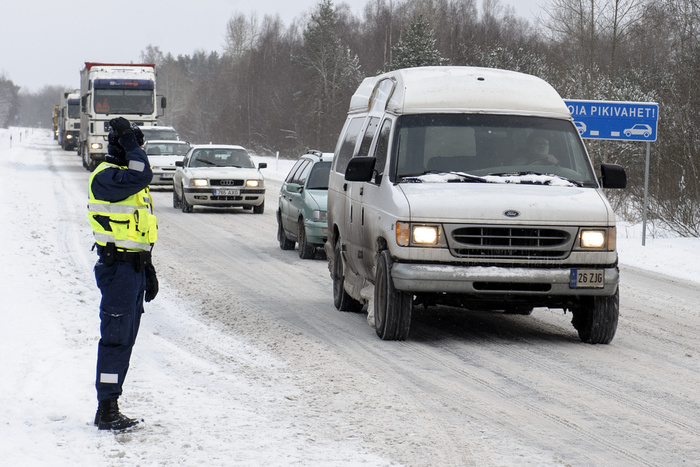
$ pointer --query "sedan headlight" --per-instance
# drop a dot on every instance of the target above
(253, 183)
(199, 182)
(96, 146)
(408, 234)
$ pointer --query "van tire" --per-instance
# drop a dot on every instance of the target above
(596, 319)
(306, 249)
(392, 308)
(341, 299)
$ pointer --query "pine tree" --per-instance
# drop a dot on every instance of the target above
(417, 48)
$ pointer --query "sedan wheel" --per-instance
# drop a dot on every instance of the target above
(186, 207)
(176, 200)
(306, 250)
(285, 243)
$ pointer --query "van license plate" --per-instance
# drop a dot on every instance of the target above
(227, 192)
(587, 278)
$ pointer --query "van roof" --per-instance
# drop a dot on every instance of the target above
(458, 89)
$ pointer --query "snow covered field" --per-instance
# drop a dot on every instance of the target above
(223, 402)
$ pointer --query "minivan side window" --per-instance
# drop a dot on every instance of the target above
(380, 151)
(368, 136)
(290, 176)
(347, 147)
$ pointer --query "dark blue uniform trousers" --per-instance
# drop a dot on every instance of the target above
(121, 307)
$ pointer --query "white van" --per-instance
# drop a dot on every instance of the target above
(469, 187)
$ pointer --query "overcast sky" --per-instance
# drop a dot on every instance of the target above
(46, 42)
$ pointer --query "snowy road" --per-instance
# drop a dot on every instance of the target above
(239, 316)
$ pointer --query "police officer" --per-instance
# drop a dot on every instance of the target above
(120, 212)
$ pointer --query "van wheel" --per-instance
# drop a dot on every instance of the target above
(306, 250)
(392, 308)
(596, 318)
(285, 243)
(341, 299)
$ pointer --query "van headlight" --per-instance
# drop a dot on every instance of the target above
(408, 234)
(598, 239)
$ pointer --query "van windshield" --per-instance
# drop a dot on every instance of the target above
(491, 147)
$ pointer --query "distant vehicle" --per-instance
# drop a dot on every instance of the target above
(111, 90)
(581, 127)
(218, 176)
(638, 129)
(301, 217)
(163, 154)
(56, 109)
(69, 120)
(160, 133)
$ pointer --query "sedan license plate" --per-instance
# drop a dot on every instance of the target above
(227, 192)
(164, 176)
(587, 278)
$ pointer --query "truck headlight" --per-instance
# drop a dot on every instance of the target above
(408, 234)
(199, 182)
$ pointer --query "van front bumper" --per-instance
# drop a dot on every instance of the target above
(492, 280)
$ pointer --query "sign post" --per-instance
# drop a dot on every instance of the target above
(617, 120)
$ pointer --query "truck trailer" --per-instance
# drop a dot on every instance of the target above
(111, 90)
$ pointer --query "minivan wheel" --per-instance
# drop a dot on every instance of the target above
(392, 308)
(306, 250)
(341, 299)
(596, 319)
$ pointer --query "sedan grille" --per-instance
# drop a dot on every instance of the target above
(227, 182)
(511, 242)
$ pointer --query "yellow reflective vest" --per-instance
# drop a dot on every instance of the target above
(130, 223)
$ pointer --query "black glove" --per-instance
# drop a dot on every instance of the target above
(120, 125)
(151, 283)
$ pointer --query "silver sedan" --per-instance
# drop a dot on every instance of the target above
(218, 176)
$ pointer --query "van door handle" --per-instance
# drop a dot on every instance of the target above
(345, 187)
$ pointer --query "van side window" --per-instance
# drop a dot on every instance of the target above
(368, 136)
(347, 147)
(380, 151)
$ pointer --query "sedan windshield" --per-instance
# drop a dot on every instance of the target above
(221, 157)
(497, 147)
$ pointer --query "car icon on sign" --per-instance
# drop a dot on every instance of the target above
(638, 129)
(581, 127)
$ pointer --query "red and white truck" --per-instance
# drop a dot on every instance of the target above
(111, 90)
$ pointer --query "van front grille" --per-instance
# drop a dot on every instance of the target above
(511, 242)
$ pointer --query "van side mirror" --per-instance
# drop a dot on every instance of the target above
(613, 176)
(360, 169)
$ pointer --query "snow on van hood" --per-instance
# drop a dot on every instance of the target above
(556, 204)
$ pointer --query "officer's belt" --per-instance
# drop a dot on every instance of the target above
(109, 254)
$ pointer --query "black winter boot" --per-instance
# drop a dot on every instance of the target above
(108, 416)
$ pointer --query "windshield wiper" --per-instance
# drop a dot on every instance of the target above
(465, 177)
(516, 174)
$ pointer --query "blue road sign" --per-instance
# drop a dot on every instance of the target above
(632, 121)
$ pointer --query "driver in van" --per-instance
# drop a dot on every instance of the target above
(536, 152)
